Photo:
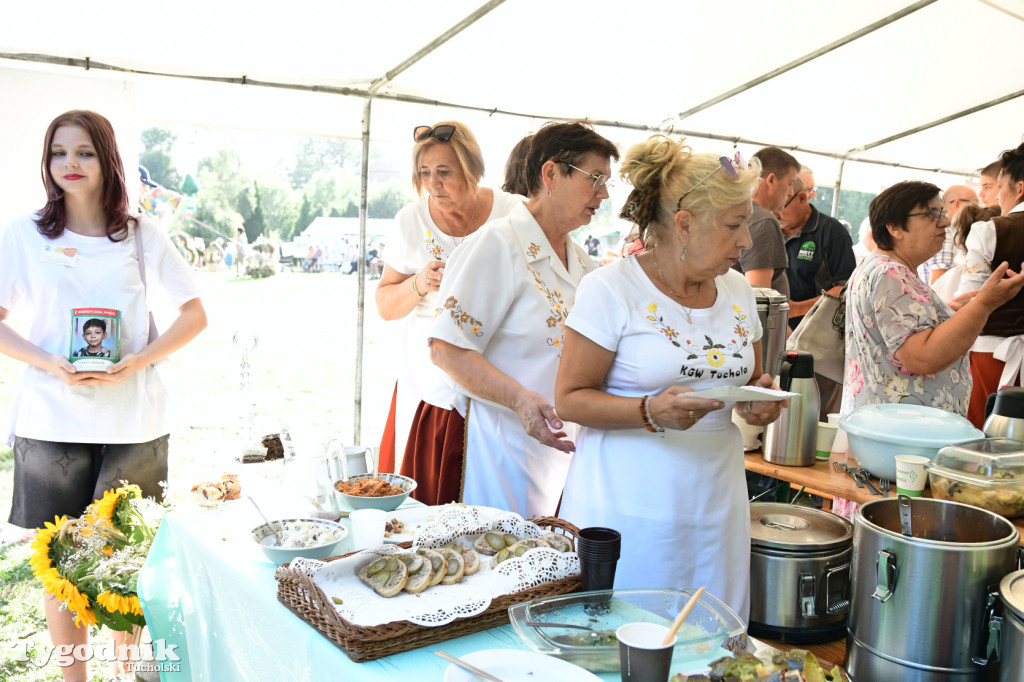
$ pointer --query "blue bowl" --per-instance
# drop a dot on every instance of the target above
(282, 555)
(877, 433)
(389, 503)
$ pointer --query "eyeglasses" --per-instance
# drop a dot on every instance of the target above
(441, 133)
(793, 197)
(600, 180)
(934, 216)
(731, 166)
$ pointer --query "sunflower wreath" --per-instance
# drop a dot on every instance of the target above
(91, 564)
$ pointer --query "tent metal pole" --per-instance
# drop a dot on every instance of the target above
(839, 185)
(364, 174)
(870, 28)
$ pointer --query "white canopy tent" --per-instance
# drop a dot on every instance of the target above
(869, 91)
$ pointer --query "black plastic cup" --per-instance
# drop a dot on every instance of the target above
(642, 656)
(598, 549)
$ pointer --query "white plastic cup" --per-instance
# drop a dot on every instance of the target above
(840, 445)
(367, 527)
(826, 436)
(911, 475)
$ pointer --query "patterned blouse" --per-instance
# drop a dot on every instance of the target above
(886, 303)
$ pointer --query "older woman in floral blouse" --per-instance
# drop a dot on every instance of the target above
(903, 344)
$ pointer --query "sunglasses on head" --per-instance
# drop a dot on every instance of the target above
(441, 133)
(732, 167)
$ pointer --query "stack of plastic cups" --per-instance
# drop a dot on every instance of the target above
(598, 549)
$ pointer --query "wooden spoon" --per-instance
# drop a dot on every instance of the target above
(682, 616)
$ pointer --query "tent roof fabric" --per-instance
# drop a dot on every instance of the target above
(640, 64)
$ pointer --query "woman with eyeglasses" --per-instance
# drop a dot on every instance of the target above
(661, 467)
(903, 344)
(997, 358)
(499, 330)
(447, 167)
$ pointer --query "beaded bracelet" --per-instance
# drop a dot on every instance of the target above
(645, 413)
(414, 287)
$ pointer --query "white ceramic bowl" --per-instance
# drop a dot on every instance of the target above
(280, 555)
(389, 503)
(877, 433)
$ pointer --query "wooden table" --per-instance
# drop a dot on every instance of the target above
(822, 478)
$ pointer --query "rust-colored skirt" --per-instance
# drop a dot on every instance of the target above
(386, 456)
(435, 454)
(986, 372)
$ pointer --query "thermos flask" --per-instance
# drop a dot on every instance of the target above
(790, 439)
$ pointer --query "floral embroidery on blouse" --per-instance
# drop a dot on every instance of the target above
(559, 311)
(460, 317)
(433, 248)
(742, 328)
(533, 250)
(659, 322)
(712, 351)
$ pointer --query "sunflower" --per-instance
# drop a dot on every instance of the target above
(65, 591)
(40, 561)
(119, 603)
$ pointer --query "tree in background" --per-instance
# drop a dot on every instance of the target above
(223, 182)
(158, 145)
(317, 154)
(853, 206)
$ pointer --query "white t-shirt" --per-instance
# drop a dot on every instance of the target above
(92, 272)
(666, 491)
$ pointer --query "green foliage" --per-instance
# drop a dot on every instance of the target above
(853, 206)
(319, 154)
(158, 144)
(386, 200)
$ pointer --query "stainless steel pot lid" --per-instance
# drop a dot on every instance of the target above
(774, 525)
(1011, 589)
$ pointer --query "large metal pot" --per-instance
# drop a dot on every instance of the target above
(799, 573)
(1011, 636)
(918, 612)
(773, 311)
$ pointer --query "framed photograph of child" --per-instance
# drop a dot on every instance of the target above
(95, 338)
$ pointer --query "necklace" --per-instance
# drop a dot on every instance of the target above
(469, 225)
(661, 276)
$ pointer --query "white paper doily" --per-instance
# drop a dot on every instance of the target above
(441, 604)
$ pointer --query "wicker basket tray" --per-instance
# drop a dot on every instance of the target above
(305, 599)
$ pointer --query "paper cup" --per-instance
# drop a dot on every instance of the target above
(367, 527)
(911, 475)
(642, 656)
(840, 445)
(826, 436)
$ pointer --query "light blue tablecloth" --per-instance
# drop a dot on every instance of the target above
(208, 589)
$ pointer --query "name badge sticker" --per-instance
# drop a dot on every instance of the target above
(59, 255)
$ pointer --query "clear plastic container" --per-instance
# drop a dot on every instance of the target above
(986, 473)
(711, 630)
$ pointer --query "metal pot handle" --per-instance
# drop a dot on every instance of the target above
(832, 608)
(885, 576)
(993, 623)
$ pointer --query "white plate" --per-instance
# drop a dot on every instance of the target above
(519, 665)
(415, 518)
(737, 393)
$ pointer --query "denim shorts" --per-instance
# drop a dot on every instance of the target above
(62, 479)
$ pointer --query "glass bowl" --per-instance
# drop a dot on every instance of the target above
(388, 503)
(711, 630)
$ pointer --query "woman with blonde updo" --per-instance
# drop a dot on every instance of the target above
(665, 469)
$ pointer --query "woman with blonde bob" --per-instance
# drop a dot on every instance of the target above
(447, 168)
(665, 469)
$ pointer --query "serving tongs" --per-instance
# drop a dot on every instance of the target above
(863, 475)
(851, 471)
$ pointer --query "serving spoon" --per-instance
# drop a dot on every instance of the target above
(278, 540)
(682, 616)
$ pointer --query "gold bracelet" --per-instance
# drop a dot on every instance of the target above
(416, 288)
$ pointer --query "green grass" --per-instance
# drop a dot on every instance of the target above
(302, 377)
